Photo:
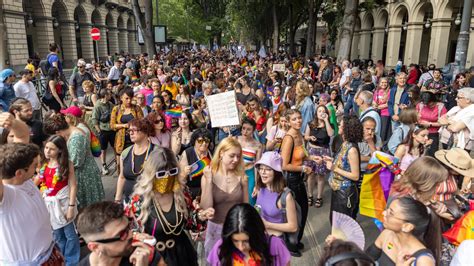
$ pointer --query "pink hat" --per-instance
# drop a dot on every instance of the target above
(271, 159)
(72, 110)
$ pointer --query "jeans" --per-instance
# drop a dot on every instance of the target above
(68, 242)
(349, 104)
(294, 181)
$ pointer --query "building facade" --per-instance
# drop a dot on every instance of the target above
(28, 26)
(414, 31)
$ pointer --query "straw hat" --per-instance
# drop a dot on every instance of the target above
(458, 160)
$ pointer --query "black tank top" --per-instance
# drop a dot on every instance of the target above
(322, 137)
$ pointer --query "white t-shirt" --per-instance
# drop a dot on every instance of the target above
(27, 91)
(345, 75)
(25, 230)
(463, 254)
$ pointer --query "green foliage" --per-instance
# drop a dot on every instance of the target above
(182, 18)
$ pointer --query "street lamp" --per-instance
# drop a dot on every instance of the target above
(29, 19)
(76, 25)
(55, 23)
(405, 26)
(428, 23)
(457, 21)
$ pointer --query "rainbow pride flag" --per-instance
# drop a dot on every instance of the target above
(462, 230)
(95, 146)
(378, 178)
(198, 167)
(174, 112)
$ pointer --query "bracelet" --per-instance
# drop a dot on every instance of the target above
(302, 167)
(72, 205)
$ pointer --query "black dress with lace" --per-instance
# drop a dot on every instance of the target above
(182, 252)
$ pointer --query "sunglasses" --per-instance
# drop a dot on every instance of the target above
(80, 66)
(158, 121)
(164, 173)
(203, 140)
(123, 235)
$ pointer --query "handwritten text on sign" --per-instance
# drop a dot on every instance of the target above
(279, 67)
(223, 109)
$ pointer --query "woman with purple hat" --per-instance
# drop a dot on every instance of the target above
(271, 185)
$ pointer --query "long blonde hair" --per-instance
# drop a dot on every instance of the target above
(302, 91)
(158, 159)
(225, 145)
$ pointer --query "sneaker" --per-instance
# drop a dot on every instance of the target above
(105, 171)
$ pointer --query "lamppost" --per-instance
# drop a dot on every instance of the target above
(463, 38)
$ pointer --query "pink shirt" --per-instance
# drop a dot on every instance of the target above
(381, 97)
(431, 115)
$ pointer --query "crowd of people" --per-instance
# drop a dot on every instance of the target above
(244, 190)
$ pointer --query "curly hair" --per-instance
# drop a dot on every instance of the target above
(143, 125)
(153, 117)
(54, 123)
(159, 159)
(352, 131)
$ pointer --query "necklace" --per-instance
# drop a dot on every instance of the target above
(175, 229)
(133, 159)
(43, 187)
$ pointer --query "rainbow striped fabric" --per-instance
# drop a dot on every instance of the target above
(249, 155)
(174, 112)
(198, 167)
(95, 145)
(462, 230)
(378, 178)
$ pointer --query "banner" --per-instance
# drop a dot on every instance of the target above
(279, 67)
(223, 109)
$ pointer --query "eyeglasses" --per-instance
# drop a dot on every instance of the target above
(123, 235)
(459, 98)
(389, 213)
(158, 121)
(203, 140)
(170, 172)
(264, 169)
(133, 130)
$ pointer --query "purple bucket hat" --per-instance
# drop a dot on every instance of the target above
(271, 159)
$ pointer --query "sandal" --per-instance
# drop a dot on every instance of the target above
(310, 201)
(318, 202)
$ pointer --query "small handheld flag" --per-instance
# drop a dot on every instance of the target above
(198, 167)
(174, 112)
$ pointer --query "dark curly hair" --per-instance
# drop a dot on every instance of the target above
(54, 123)
(200, 133)
(144, 125)
(352, 131)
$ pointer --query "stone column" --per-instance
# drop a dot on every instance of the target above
(355, 45)
(45, 25)
(393, 45)
(131, 41)
(470, 49)
(86, 41)
(123, 40)
(102, 43)
(68, 34)
(439, 41)
(113, 40)
(377, 43)
(364, 43)
(413, 43)
(16, 39)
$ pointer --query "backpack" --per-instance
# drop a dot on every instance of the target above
(290, 238)
(45, 65)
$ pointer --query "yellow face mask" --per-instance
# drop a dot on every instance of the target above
(166, 185)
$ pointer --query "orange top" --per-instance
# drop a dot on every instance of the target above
(298, 155)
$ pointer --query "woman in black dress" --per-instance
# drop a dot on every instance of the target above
(165, 211)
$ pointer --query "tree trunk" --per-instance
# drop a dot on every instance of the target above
(310, 34)
(145, 22)
(291, 37)
(276, 30)
(347, 30)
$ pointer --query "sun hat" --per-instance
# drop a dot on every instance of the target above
(458, 160)
(271, 159)
(72, 110)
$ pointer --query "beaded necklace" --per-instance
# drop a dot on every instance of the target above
(133, 159)
(43, 187)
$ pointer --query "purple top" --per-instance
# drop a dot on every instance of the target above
(281, 255)
(267, 200)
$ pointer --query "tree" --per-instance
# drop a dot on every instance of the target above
(347, 29)
(145, 22)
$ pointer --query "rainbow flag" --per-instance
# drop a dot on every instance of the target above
(462, 230)
(174, 112)
(198, 167)
(378, 178)
(95, 146)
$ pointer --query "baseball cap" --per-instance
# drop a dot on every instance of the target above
(4, 74)
(72, 110)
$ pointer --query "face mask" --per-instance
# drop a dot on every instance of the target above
(166, 185)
